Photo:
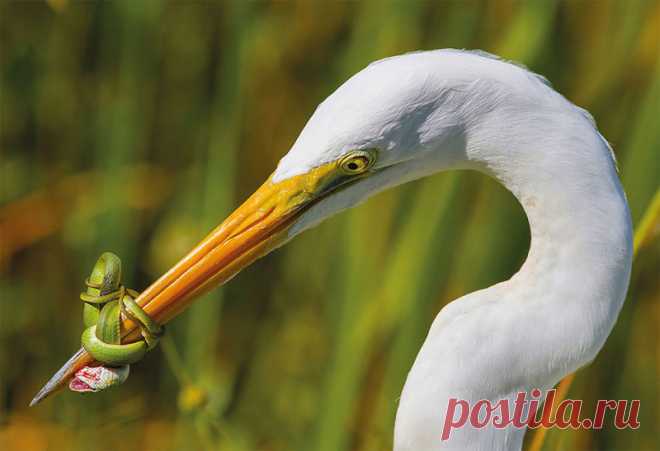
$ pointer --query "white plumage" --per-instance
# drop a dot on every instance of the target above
(447, 109)
(409, 116)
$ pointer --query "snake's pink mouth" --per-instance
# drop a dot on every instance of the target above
(79, 386)
(92, 379)
(79, 382)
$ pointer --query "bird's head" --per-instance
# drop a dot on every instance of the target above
(394, 121)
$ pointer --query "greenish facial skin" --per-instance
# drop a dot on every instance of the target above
(105, 300)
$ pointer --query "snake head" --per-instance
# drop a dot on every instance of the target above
(92, 379)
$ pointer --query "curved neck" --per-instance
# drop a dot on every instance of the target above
(578, 267)
(565, 178)
(554, 315)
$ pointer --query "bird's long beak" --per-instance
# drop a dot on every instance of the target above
(253, 230)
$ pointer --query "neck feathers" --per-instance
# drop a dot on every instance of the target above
(550, 155)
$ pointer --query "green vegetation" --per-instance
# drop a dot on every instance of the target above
(204, 98)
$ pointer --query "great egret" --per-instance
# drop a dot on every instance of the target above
(410, 116)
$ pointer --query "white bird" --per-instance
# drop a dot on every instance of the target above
(417, 114)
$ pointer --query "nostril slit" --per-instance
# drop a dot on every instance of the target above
(251, 224)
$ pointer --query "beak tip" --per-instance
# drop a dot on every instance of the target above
(36, 400)
(59, 378)
(41, 395)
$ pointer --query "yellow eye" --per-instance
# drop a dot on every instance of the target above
(357, 162)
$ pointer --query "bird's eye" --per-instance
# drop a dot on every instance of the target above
(357, 162)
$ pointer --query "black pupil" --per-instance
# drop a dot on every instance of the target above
(353, 166)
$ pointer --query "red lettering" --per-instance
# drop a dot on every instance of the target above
(474, 416)
(546, 421)
(449, 418)
(566, 414)
(632, 422)
(518, 410)
(503, 420)
(574, 421)
(532, 422)
(599, 416)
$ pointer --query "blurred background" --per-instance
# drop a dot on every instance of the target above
(204, 98)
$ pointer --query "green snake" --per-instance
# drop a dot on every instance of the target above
(105, 301)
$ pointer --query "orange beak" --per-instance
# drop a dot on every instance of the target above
(257, 227)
